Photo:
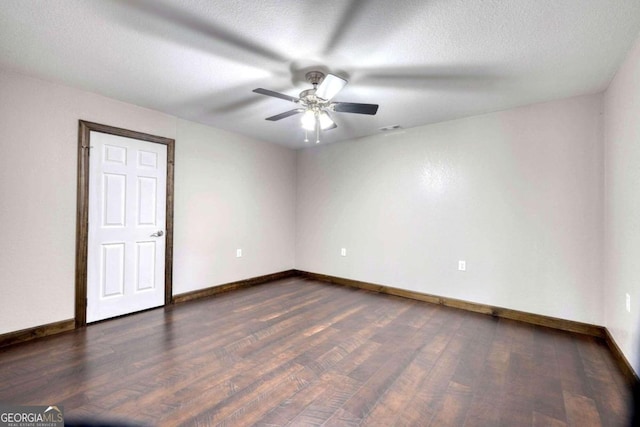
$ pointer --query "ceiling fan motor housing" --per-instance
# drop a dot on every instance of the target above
(314, 77)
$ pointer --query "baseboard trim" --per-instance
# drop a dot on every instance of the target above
(536, 319)
(522, 316)
(37, 332)
(213, 290)
(621, 360)
(41, 331)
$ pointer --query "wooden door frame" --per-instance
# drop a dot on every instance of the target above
(82, 212)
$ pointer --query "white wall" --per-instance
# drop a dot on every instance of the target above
(622, 206)
(38, 174)
(517, 194)
(231, 192)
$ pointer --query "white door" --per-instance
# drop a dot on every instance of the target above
(126, 242)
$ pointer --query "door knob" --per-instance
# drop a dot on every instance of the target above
(158, 233)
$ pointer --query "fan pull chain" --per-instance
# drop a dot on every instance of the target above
(317, 133)
(306, 136)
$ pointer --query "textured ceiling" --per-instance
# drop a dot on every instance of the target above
(422, 61)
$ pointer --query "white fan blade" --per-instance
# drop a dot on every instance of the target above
(325, 121)
(330, 86)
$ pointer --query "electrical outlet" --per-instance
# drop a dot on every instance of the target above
(238, 253)
(343, 251)
(462, 265)
(628, 303)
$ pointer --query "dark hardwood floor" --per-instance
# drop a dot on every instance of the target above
(301, 352)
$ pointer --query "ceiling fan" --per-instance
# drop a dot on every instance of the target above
(315, 104)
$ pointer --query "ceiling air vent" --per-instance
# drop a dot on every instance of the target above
(388, 128)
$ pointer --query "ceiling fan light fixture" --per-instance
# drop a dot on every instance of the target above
(308, 120)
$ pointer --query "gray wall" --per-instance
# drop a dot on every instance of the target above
(622, 206)
(231, 193)
(516, 194)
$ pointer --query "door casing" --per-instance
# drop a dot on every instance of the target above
(82, 212)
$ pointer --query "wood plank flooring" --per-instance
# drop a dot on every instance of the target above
(305, 353)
